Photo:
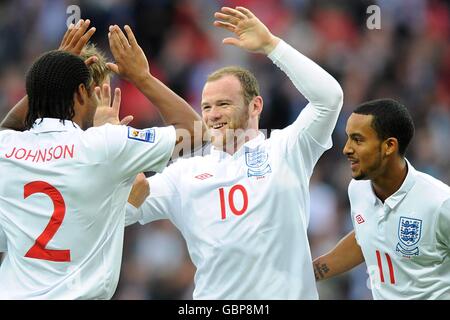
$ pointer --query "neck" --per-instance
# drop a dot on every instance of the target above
(389, 181)
(78, 121)
(232, 147)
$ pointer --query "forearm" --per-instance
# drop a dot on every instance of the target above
(173, 109)
(345, 256)
(324, 93)
(15, 119)
(316, 84)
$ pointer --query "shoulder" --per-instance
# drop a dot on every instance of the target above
(187, 164)
(180, 170)
(8, 132)
(432, 187)
(100, 131)
(12, 136)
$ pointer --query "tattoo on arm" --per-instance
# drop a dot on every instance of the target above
(320, 270)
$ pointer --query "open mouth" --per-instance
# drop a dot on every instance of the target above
(353, 163)
(218, 125)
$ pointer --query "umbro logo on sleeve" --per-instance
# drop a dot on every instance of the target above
(359, 219)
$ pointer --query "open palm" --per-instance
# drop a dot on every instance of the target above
(252, 34)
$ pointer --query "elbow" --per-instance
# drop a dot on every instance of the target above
(190, 135)
(336, 96)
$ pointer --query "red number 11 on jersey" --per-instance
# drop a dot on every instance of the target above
(231, 194)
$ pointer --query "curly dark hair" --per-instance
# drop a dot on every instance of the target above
(51, 83)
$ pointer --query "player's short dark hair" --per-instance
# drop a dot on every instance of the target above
(390, 119)
(51, 83)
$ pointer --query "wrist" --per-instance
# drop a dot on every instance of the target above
(270, 46)
(142, 79)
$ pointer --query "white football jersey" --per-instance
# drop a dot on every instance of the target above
(244, 216)
(2, 240)
(406, 240)
(62, 197)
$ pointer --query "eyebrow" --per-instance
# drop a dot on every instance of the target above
(216, 102)
(224, 100)
(356, 135)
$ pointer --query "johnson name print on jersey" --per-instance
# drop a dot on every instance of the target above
(409, 232)
(257, 161)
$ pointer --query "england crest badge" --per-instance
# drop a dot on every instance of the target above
(257, 161)
(409, 233)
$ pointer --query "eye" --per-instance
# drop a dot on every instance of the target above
(205, 108)
(224, 104)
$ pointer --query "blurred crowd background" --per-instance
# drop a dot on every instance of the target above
(408, 59)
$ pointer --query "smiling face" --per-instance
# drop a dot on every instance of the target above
(224, 110)
(363, 149)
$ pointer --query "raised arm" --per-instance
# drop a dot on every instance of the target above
(132, 65)
(318, 86)
(73, 41)
(345, 256)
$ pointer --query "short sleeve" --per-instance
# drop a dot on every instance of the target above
(443, 224)
(164, 201)
(131, 150)
(352, 218)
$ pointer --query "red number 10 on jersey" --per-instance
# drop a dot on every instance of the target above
(231, 203)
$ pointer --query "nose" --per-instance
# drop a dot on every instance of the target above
(214, 114)
(348, 150)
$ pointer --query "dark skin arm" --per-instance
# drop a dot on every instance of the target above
(140, 191)
(73, 41)
(345, 256)
(132, 65)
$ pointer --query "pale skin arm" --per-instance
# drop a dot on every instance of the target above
(345, 256)
(132, 65)
(73, 41)
(251, 34)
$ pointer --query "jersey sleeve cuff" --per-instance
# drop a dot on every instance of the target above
(132, 214)
(279, 50)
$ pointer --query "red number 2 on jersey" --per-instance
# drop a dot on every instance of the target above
(38, 250)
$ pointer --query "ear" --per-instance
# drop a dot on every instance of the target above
(81, 94)
(256, 106)
(391, 146)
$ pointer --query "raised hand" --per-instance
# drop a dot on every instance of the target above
(106, 113)
(252, 34)
(76, 37)
(131, 63)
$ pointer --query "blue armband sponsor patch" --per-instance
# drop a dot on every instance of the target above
(146, 135)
